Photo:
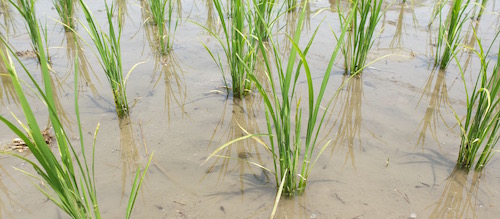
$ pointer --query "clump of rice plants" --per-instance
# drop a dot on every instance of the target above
(66, 11)
(108, 48)
(449, 35)
(69, 178)
(481, 128)
(158, 9)
(293, 159)
(284, 130)
(238, 44)
(359, 40)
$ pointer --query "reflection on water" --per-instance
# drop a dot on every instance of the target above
(241, 155)
(6, 193)
(348, 121)
(211, 16)
(168, 67)
(470, 39)
(438, 97)
(122, 11)
(397, 40)
(129, 153)
(59, 86)
(460, 196)
(290, 25)
(74, 49)
(8, 20)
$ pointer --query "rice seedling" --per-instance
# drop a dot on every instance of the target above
(158, 9)
(366, 14)
(109, 50)
(237, 45)
(66, 11)
(449, 32)
(481, 128)
(69, 178)
(481, 11)
(7, 90)
(285, 140)
(291, 4)
(27, 10)
(293, 160)
(263, 17)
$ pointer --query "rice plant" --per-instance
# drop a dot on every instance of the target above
(481, 128)
(291, 4)
(449, 33)
(286, 139)
(481, 11)
(359, 40)
(27, 10)
(238, 44)
(66, 11)
(108, 48)
(263, 17)
(158, 9)
(292, 158)
(7, 90)
(69, 178)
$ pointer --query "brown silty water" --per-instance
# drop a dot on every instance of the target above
(394, 136)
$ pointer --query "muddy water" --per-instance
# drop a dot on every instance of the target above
(395, 138)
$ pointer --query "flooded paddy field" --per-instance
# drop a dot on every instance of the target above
(393, 131)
